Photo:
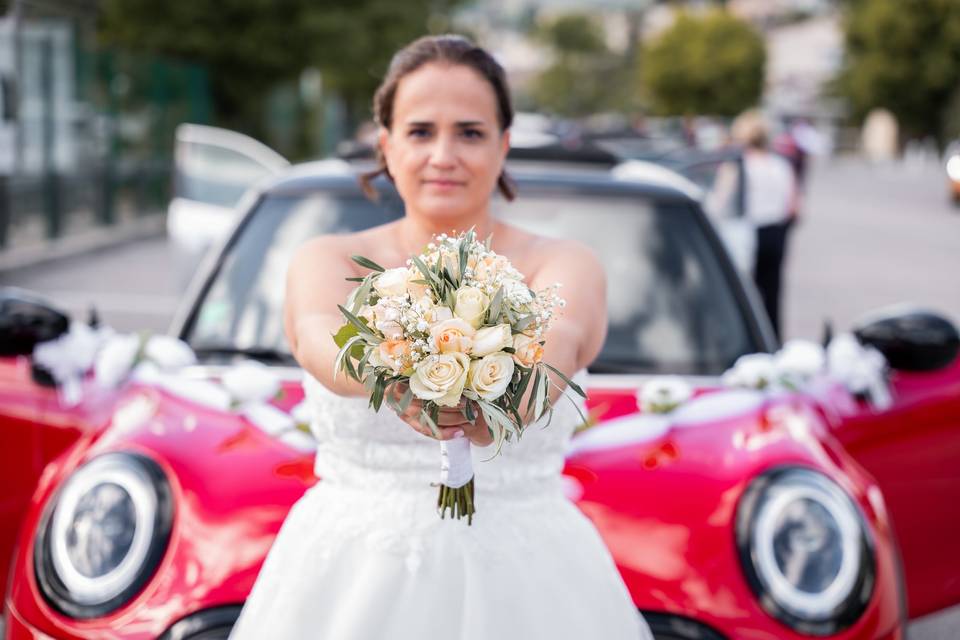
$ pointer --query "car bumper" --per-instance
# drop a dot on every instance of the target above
(19, 629)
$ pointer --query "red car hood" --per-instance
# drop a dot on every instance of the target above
(673, 483)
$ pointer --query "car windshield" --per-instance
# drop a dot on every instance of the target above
(671, 307)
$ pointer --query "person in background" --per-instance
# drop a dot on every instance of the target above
(770, 202)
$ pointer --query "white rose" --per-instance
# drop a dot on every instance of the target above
(392, 282)
(115, 360)
(441, 378)
(490, 375)
(752, 371)
(251, 381)
(434, 313)
(491, 339)
(452, 335)
(800, 360)
(169, 353)
(664, 394)
(471, 305)
(390, 329)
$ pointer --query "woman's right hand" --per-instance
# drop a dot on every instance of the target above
(451, 421)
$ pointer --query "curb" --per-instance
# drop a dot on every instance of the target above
(75, 245)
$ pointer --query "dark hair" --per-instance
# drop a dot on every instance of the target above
(453, 50)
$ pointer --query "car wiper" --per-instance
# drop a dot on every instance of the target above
(264, 354)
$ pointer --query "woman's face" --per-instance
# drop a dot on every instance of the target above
(445, 149)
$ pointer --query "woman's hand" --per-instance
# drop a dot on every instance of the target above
(451, 421)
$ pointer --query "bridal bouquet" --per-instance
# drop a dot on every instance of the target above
(456, 328)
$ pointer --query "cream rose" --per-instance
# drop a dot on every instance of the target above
(416, 290)
(453, 335)
(394, 354)
(433, 313)
(488, 266)
(528, 350)
(471, 305)
(441, 378)
(490, 375)
(392, 282)
(491, 339)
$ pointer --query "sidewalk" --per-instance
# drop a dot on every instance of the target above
(76, 244)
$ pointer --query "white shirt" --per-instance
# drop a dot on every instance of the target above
(770, 185)
(770, 188)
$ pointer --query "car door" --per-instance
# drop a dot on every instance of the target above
(213, 168)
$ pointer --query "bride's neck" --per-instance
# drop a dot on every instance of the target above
(417, 232)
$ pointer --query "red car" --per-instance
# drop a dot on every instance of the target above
(743, 514)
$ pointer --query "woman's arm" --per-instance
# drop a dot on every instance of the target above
(579, 329)
(316, 284)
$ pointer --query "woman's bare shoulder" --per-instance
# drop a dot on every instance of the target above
(544, 253)
(333, 251)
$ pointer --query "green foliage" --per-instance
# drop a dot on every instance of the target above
(582, 78)
(704, 64)
(902, 55)
(572, 33)
(251, 46)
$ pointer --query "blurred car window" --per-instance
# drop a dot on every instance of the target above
(215, 175)
(671, 308)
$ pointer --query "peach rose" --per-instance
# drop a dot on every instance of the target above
(528, 350)
(453, 335)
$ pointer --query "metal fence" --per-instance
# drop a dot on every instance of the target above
(90, 136)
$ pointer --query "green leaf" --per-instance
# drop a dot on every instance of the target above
(523, 323)
(344, 357)
(469, 412)
(345, 332)
(463, 257)
(521, 387)
(570, 383)
(362, 294)
(406, 399)
(368, 263)
(355, 279)
(427, 274)
(532, 400)
(377, 398)
(361, 326)
(495, 306)
(430, 422)
(541, 395)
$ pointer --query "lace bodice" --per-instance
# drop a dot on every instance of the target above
(360, 448)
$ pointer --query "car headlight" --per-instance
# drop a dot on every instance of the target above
(805, 549)
(953, 168)
(104, 534)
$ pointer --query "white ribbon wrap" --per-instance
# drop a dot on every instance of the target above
(456, 464)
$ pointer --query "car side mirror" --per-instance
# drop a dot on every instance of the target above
(911, 339)
(25, 320)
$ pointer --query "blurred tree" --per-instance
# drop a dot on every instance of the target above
(903, 55)
(252, 46)
(582, 78)
(709, 63)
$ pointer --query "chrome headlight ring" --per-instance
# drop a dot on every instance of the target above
(805, 550)
(103, 535)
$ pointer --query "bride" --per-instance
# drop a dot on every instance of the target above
(364, 554)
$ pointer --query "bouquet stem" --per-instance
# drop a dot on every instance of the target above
(456, 480)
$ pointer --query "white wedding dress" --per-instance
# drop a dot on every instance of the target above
(364, 555)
